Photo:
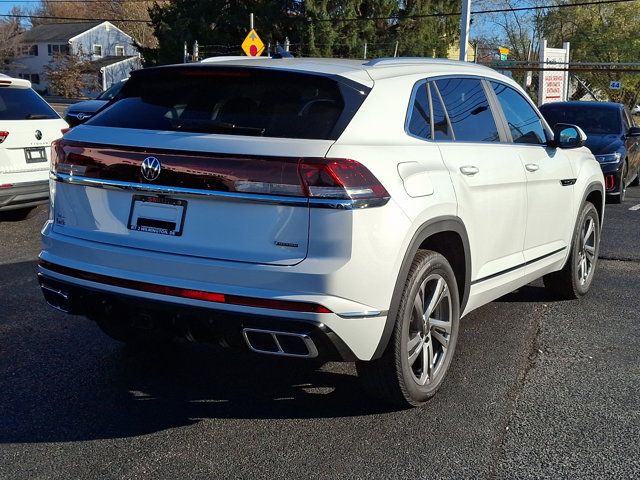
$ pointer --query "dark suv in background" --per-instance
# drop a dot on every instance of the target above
(612, 136)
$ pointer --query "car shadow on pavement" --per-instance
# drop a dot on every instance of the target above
(534, 292)
(61, 379)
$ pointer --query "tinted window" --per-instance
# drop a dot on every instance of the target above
(111, 92)
(468, 109)
(23, 104)
(420, 118)
(441, 127)
(240, 101)
(591, 118)
(523, 121)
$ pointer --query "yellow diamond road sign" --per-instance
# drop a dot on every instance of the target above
(252, 45)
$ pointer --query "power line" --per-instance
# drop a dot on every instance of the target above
(476, 12)
(352, 19)
(44, 17)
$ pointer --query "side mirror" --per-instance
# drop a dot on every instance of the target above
(634, 132)
(568, 136)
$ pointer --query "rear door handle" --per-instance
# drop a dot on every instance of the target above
(469, 170)
(532, 167)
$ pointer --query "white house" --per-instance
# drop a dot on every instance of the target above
(111, 49)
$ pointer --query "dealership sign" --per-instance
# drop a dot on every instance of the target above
(554, 84)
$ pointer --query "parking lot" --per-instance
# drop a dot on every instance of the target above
(538, 388)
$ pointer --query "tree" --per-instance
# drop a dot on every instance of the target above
(584, 28)
(69, 75)
(142, 33)
(9, 29)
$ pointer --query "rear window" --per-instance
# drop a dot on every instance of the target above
(23, 104)
(249, 101)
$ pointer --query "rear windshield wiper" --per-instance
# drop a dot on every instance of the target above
(212, 126)
(38, 116)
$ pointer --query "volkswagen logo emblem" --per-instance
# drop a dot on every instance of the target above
(38, 135)
(150, 168)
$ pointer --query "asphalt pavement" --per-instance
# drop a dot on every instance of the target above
(539, 388)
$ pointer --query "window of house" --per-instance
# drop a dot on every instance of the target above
(523, 121)
(31, 50)
(32, 77)
(54, 49)
(119, 51)
(468, 108)
(97, 50)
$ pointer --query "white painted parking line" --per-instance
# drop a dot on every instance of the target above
(635, 207)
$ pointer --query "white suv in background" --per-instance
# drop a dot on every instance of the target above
(28, 125)
(345, 210)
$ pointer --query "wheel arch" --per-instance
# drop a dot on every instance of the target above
(446, 235)
(595, 194)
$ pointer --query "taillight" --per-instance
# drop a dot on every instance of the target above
(3, 136)
(330, 178)
(64, 130)
(308, 177)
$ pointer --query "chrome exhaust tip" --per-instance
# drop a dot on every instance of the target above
(56, 298)
(286, 344)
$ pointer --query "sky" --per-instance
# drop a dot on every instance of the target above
(5, 6)
(480, 26)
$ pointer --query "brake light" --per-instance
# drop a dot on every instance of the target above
(64, 130)
(330, 178)
(307, 177)
(3, 136)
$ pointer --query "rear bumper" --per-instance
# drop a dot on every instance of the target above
(206, 325)
(24, 195)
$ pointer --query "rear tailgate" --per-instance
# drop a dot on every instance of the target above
(196, 205)
(26, 148)
(214, 162)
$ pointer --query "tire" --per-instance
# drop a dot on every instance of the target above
(574, 280)
(622, 188)
(410, 380)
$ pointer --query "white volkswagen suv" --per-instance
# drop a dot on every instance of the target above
(28, 125)
(345, 210)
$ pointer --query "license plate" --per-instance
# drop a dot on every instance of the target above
(160, 215)
(35, 155)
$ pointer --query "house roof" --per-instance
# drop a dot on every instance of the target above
(51, 32)
(108, 60)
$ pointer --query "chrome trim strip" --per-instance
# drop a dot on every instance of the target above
(367, 314)
(336, 204)
(185, 192)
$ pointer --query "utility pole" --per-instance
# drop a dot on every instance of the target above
(251, 21)
(365, 51)
(185, 53)
(465, 22)
(395, 52)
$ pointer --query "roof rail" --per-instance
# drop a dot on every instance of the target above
(410, 61)
(229, 58)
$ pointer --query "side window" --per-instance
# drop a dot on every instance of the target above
(468, 108)
(420, 117)
(522, 119)
(441, 128)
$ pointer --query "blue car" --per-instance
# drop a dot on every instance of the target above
(612, 136)
(82, 111)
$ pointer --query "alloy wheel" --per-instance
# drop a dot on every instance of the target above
(587, 250)
(429, 329)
